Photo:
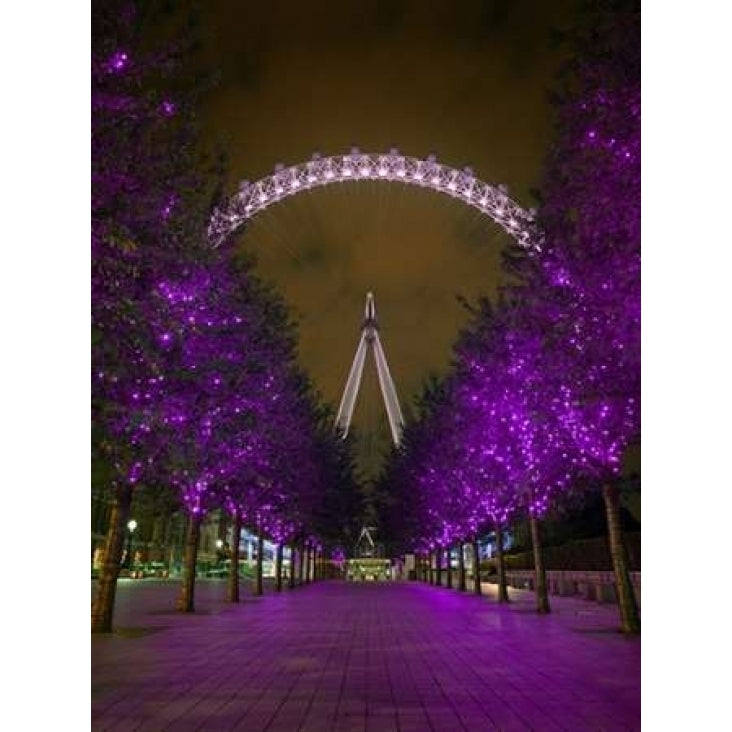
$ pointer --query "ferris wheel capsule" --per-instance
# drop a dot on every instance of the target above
(492, 200)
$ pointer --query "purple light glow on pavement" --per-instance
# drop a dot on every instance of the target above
(384, 657)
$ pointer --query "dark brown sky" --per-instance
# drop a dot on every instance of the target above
(467, 80)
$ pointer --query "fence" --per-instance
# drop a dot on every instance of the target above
(597, 586)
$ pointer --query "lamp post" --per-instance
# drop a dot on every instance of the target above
(131, 526)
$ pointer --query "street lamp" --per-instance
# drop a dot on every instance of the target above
(131, 526)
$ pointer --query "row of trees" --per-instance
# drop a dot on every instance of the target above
(194, 382)
(545, 389)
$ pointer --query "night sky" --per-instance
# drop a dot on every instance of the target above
(466, 80)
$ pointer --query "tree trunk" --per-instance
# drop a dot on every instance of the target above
(103, 607)
(234, 566)
(278, 567)
(461, 567)
(301, 563)
(291, 578)
(627, 605)
(187, 588)
(430, 568)
(308, 565)
(438, 567)
(449, 567)
(476, 568)
(502, 587)
(542, 595)
(258, 590)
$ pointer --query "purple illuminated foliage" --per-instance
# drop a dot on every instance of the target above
(546, 387)
(140, 160)
(583, 294)
(486, 446)
(142, 164)
(513, 443)
(238, 419)
(193, 381)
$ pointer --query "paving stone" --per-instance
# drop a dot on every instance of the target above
(362, 657)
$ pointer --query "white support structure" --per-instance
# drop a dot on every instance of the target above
(370, 339)
(366, 534)
(493, 201)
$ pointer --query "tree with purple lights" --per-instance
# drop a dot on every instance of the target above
(234, 411)
(294, 489)
(432, 506)
(280, 483)
(337, 517)
(193, 380)
(495, 441)
(503, 395)
(583, 293)
(279, 529)
(319, 479)
(551, 394)
(148, 215)
(407, 515)
(453, 462)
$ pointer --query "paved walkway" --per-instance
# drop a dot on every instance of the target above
(366, 657)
